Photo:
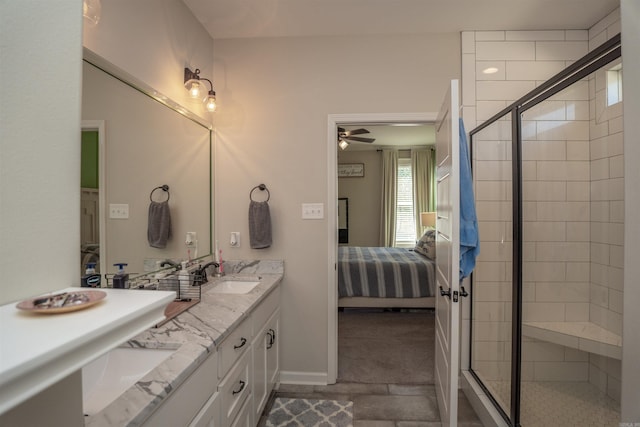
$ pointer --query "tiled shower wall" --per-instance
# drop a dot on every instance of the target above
(572, 206)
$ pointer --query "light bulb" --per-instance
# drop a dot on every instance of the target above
(211, 103)
(343, 144)
(195, 90)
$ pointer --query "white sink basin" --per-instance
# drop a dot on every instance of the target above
(107, 377)
(234, 286)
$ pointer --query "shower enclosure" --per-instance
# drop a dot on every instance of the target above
(546, 307)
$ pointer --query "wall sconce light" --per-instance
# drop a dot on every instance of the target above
(343, 144)
(198, 90)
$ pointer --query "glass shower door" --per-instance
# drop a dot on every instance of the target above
(491, 303)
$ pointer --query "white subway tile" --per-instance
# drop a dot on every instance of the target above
(577, 271)
(616, 167)
(544, 191)
(502, 90)
(529, 170)
(598, 130)
(563, 251)
(489, 150)
(575, 355)
(577, 35)
(488, 350)
(615, 278)
(578, 150)
(616, 300)
(577, 110)
(543, 271)
(487, 271)
(561, 371)
(616, 234)
(492, 230)
(488, 311)
(600, 169)
(562, 292)
(560, 51)
(599, 232)
(599, 211)
(616, 256)
(600, 253)
(578, 191)
(492, 171)
(544, 231)
(596, 39)
(568, 130)
(489, 35)
(500, 74)
(547, 110)
(616, 211)
(563, 211)
(576, 312)
(497, 131)
(599, 274)
(563, 171)
(492, 331)
(468, 40)
(533, 70)
(542, 312)
(614, 29)
(491, 190)
(535, 35)
(487, 109)
(616, 125)
(468, 79)
(599, 295)
(544, 150)
(608, 20)
(579, 91)
(540, 351)
(499, 291)
(510, 51)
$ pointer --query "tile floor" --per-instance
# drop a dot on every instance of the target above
(396, 394)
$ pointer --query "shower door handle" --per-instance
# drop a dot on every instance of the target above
(446, 293)
(463, 292)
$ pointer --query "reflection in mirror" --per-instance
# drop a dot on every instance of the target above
(146, 144)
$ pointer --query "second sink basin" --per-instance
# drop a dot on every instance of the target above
(234, 286)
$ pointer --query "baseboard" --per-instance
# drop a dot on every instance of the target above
(483, 406)
(305, 378)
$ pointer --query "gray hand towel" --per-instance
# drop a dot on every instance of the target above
(159, 228)
(259, 225)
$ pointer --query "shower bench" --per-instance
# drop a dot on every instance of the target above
(585, 336)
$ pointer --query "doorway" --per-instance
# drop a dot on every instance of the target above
(93, 229)
(335, 120)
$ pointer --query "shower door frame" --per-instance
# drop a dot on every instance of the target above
(597, 58)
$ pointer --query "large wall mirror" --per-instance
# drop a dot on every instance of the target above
(145, 144)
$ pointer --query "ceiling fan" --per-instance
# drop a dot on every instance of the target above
(347, 135)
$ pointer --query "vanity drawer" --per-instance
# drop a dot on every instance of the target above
(234, 389)
(234, 346)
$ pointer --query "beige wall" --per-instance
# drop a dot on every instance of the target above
(275, 97)
(364, 196)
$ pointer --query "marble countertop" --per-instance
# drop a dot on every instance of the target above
(194, 334)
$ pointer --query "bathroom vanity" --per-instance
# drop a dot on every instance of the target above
(225, 363)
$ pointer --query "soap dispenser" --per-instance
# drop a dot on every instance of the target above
(121, 279)
(90, 279)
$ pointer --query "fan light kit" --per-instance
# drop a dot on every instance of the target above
(346, 136)
(198, 90)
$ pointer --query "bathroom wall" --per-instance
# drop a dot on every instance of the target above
(365, 195)
(572, 208)
(275, 97)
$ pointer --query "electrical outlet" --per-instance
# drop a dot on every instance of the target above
(234, 239)
(191, 240)
(118, 211)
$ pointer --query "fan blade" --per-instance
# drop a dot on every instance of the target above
(357, 138)
(340, 130)
(357, 131)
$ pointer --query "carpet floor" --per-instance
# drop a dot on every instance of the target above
(386, 347)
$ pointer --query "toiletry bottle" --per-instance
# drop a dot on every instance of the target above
(184, 281)
(121, 279)
(90, 279)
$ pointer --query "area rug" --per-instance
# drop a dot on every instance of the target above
(287, 412)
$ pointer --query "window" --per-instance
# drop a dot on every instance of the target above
(614, 85)
(405, 220)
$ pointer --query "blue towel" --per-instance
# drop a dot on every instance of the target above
(469, 241)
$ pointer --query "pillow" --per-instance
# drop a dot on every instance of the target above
(427, 244)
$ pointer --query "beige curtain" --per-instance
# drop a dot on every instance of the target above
(389, 177)
(421, 172)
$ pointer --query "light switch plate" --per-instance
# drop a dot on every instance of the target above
(118, 211)
(312, 210)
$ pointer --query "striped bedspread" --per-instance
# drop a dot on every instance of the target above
(384, 273)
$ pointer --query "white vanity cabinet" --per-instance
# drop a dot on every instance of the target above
(188, 400)
(265, 352)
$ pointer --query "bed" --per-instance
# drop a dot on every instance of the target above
(385, 277)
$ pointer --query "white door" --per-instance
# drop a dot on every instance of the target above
(448, 257)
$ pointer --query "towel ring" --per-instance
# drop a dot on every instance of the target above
(260, 187)
(165, 188)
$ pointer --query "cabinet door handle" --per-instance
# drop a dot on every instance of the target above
(272, 338)
(243, 341)
(242, 384)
